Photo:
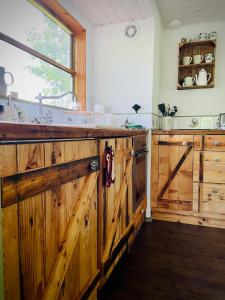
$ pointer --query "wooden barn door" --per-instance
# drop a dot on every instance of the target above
(56, 196)
(175, 172)
(115, 202)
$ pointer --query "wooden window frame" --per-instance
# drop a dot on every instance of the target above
(78, 53)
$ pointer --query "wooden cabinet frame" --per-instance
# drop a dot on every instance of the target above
(208, 192)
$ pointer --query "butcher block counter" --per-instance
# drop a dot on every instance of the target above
(188, 131)
(63, 227)
(188, 176)
(14, 131)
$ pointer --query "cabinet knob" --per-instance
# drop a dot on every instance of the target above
(216, 143)
(217, 159)
(94, 165)
(184, 143)
(215, 191)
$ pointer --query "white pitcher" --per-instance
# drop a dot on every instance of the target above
(202, 78)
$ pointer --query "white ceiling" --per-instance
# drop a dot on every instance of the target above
(191, 11)
(105, 12)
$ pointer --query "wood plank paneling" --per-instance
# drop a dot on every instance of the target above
(30, 156)
(62, 261)
(8, 163)
(24, 185)
(31, 246)
(10, 252)
(154, 170)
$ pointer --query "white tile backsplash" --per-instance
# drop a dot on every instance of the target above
(16, 111)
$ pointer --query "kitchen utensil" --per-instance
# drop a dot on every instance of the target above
(202, 78)
(187, 60)
(188, 81)
(162, 108)
(3, 84)
(198, 59)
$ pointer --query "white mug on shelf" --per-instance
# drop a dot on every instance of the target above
(198, 59)
(187, 60)
(209, 58)
(203, 36)
(188, 81)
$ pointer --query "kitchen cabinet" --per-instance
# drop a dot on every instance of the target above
(49, 219)
(117, 220)
(173, 188)
(62, 230)
(188, 177)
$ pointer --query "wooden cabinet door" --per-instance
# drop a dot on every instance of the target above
(115, 202)
(56, 202)
(175, 172)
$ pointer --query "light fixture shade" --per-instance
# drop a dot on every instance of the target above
(175, 23)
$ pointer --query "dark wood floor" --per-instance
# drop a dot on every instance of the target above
(171, 261)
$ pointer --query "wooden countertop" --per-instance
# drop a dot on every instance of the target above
(188, 131)
(18, 132)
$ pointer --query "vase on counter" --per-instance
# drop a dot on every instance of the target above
(167, 123)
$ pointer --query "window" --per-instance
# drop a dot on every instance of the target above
(38, 50)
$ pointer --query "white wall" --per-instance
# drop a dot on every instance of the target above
(192, 102)
(123, 68)
(158, 32)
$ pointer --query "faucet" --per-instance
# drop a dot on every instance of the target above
(41, 98)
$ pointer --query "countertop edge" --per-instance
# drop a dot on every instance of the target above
(188, 132)
(19, 132)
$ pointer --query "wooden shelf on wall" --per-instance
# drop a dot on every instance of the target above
(202, 65)
(198, 43)
(191, 49)
(180, 87)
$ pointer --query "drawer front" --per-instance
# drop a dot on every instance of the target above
(214, 142)
(212, 198)
(214, 167)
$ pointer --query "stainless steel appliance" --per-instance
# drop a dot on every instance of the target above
(139, 170)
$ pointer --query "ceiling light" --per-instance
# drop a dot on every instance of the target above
(175, 23)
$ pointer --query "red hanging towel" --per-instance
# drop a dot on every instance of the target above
(108, 166)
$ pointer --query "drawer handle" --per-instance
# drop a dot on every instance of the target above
(216, 159)
(216, 143)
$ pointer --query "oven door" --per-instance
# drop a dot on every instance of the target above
(139, 177)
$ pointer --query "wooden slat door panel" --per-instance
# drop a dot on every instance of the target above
(108, 196)
(179, 193)
(44, 220)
